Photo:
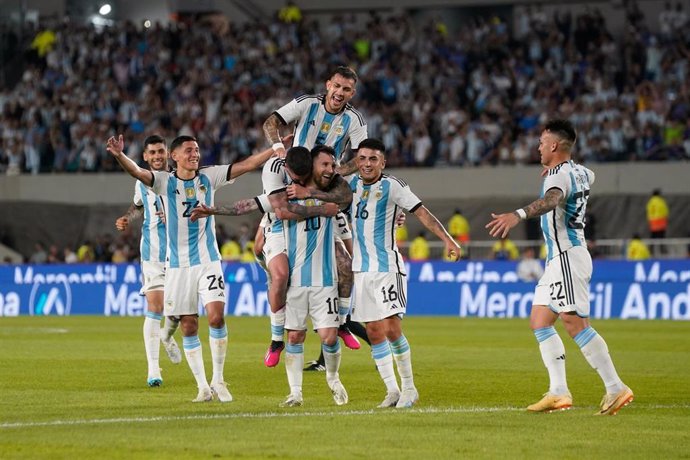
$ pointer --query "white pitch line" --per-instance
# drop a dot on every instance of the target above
(259, 415)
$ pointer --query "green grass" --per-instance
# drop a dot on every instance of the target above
(75, 388)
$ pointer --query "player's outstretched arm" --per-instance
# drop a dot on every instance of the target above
(501, 224)
(116, 146)
(250, 163)
(134, 212)
(272, 132)
(296, 211)
(238, 208)
(432, 224)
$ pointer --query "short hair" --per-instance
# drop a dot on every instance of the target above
(321, 148)
(298, 159)
(346, 72)
(374, 144)
(179, 140)
(563, 129)
(153, 139)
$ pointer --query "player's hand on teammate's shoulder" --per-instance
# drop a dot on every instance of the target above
(295, 191)
(115, 145)
(201, 211)
(287, 141)
(122, 223)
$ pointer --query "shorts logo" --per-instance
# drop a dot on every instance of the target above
(189, 192)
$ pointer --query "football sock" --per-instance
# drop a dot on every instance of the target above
(381, 352)
(343, 309)
(294, 361)
(331, 356)
(218, 339)
(152, 342)
(169, 327)
(553, 354)
(278, 324)
(195, 359)
(403, 359)
(596, 353)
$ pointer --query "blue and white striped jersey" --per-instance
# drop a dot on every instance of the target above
(315, 125)
(274, 179)
(153, 240)
(564, 226)
(374, 210)
(311, 250)
(190, 243)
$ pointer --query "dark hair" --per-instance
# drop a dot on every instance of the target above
(320, 148)
(153, 139)
(346, 72)
(373, 144)
(179, 140)
(298, 159)
(563, 129)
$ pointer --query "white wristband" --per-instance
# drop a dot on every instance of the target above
(277, 146)
(521, 213)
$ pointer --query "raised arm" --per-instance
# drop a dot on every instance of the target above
(434, 226)
(250, 163)
(116, 146)
(501, 224)
(347, 168)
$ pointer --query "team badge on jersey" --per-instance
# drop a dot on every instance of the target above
(202, 188)
(339, 130)
(310, 202)
(325, 127)
(378, 195)
(189, 192)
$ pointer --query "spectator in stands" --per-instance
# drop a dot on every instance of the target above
(70, 256)
(529, 268)
(459, 227)
(231, 249)
(85, 253)
(54, 255)
(505, 249)
(39, 255)
(637, 250)
(419, 248)
(657, 215)
(290, 13)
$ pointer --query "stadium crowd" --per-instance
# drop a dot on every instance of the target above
(435, 98)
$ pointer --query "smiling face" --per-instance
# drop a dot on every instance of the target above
(156, 155)
(370, 164)
(187, 158)
(324, 170)
(339, 91)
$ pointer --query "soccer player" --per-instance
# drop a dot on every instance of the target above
(563, 290)
(152, 254)
(193, 269)
(327, 119)
(380, 278)
(313, 288)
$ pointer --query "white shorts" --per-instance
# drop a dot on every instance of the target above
(152, 276)
(564, 286)
(321, 303)
(184, 287)
(342, 228)
(274, 244)
(378, 296)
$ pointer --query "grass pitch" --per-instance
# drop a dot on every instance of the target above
(75, 387)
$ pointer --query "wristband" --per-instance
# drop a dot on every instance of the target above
(521, 213)
(277, 146)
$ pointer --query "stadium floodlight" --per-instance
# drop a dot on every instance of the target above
(105, 9)
(147, 23)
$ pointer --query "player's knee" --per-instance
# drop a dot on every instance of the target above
(296, 337)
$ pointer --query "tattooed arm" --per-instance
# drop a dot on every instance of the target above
(134, 212)
(303, 212)
(238, 208)
(340, 193)
(272, 128)
(501, 224)
(347, 168)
